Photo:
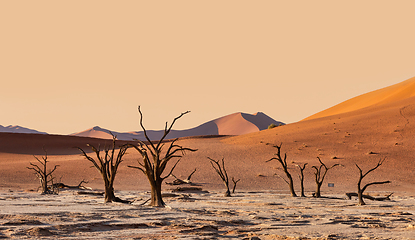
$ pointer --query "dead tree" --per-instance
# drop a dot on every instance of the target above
(45, 177)
(283, 162)
(178, 181)
(107, 165)
(320, 174)
(153, 163)
(79, 186)
(350, 195)
(301, 176)
(219, 166)
(234, 184)
(361, 190)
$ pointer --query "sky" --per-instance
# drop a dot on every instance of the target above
(66, 66)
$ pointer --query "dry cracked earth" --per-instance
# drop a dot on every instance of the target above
(203, 215)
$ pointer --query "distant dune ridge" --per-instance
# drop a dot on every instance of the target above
(19, 129)
(233, 124)
(400, 91)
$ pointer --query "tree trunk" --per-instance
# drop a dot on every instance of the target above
(45, 180)
(156, 198)
(302, 188)
(291, 185)
(109, 194)
(44, 184)
(359, 191)
(318, 191)
(360, 197)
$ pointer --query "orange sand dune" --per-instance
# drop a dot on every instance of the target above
(385, 129)
(400, 91)
(235, 124)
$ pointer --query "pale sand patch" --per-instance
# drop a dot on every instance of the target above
(262, 214)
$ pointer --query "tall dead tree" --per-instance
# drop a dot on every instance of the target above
(320, 174)
(283, 162)
(361, 190)
(154, 160)
(219, 166)
(45, 176)
(107, 164)
(301, 176)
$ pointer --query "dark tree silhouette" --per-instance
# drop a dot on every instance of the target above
(45, 176)
(283, 162)
(361, 190)
(301, 176)
(219, 166)
(154, 161)
(320, 174)
(234, 184)
(107, 165)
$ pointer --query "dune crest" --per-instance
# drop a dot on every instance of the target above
(18, 129)
(95, 132)
(233, 124)
(400, 91)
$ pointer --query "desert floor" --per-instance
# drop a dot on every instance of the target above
(204, 215)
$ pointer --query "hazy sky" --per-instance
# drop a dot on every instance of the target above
(66, 66)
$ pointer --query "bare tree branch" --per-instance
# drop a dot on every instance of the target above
(153, 162)
(107, 166)
(362, 175)
(219, 167)
(283, 162)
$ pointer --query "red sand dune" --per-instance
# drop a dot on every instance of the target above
(400, 91)
(364, 136)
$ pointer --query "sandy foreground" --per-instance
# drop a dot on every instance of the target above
(204, 215)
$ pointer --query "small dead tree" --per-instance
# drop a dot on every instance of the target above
(234, 184)
(283, 162)
(79, 186)
(107, 165)
(320, 174)
(178, 181)
(45, 176)
(219, 166)
(154, 163)
(361, 190)
(301, 176)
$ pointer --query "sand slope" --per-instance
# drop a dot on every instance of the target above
(400, 91)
